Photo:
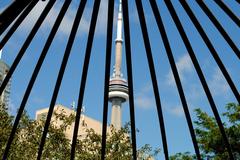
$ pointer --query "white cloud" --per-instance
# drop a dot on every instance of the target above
(144, 99)
(144, 102)
(33, 16)
(66, 25)
(176, 111)
(195, 92)
(218, 84)
(101, 27)
(67, 22)
(184, 66)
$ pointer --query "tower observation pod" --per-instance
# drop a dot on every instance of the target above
(118, 87)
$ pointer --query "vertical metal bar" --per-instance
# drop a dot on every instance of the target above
(129, 73)
(153, 74)
(9, 14)
(176, 75)
(107, 75)
(17, 23)
(84, 74)
(200, 74)
(228, 11)
(219, 27)
(25, 97)
(26, 44)
(60, 74)
(211, 48)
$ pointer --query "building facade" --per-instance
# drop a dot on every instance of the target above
(85, 121)
(4, 68)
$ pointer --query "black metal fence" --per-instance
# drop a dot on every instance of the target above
(18, 11)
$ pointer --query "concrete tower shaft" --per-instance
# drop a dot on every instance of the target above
(118, 59)
(116, 117)
(119, 41)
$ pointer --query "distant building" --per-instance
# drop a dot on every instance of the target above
(85, 121)
(4, 68)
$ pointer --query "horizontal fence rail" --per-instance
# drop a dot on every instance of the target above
(15, 14)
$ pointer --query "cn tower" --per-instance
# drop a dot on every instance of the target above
(118, 87)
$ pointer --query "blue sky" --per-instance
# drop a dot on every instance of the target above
(146, 117)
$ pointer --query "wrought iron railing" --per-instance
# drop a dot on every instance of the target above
(19, 10)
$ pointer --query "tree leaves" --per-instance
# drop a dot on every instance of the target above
(57, 146)
(209, 136)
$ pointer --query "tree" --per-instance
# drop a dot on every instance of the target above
(209, 137)
(57, 146)
(5, 126)
(28, 135)
(118, 146)
(183, 156)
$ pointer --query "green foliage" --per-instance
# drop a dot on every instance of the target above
(209, 137)
(118, 146)
(5, 126)
(183, 156)
(57, 146)
(143, 152)
(28, 135)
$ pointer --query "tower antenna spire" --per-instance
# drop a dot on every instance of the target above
(118, 42)
(119, 22)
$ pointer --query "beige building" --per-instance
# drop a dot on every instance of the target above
(4, 68)
(85, 121)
